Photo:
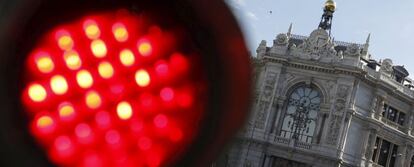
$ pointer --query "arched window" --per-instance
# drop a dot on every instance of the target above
(299, 120)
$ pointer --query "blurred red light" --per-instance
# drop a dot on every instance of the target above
(101, 92)
(160, 121)
(167, 94)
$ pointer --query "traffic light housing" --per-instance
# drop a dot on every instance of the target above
(203, 34)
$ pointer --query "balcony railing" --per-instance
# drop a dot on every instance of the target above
(303, 145)
(281, 140)
(392, 124)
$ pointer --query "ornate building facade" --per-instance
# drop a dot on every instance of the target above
(325, 103)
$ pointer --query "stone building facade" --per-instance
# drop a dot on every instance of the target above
(325, 103)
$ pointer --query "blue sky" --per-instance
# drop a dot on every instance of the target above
(391, 23)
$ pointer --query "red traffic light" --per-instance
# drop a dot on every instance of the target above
(113, 84)
(127, 83)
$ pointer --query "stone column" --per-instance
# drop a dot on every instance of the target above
(370, 146)
(275, 115)
(365, 142)
(267, 161)
(379, 108)
(401, 155)
(374, 106)
(409, 121)
(408, 154)
(280, 116)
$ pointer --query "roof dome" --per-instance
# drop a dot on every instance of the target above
(330, 5)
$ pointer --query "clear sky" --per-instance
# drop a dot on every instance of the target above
(391, 23)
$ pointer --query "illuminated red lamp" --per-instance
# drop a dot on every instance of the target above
(82, 88)
(133, 86)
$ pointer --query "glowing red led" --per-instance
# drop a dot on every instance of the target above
(160, 121)
(167, 94)
(100, 91)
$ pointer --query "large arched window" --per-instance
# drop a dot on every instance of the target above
(302, 108)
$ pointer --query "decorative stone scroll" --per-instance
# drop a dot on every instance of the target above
(265, 99)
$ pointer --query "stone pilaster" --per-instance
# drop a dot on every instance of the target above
(401, 155)
(374, 106)
(378, 113)
(370, 143)
(408, 154)
(409, 121)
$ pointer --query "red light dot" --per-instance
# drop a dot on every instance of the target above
(45, 124)
(160, 121)
(167, 94)
(120, 32)
(63, 144)
(112, 137)
(103, 119)
(64, 40)
(83, 130)
(37, 93)
(144, 143)
(44, 63)
(66, 111)
(142, 78)
(161, 68)
(91, 29)
(144, 48)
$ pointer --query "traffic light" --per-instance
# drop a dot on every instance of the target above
(121, 83)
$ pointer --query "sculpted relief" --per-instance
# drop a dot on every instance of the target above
(317, 47)
(352, 50)
(281, 39)
(386, 66)
(265, 99)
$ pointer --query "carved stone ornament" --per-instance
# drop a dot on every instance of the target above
(333, 131)
(265, 99)
(352, 50)
(343, 91)
(317, 46)
(281, 39)
(386, 66)
(339, 105)
(261, 50)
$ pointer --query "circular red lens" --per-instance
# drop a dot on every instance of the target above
(113, 89)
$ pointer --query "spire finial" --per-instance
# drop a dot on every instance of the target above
(368, 39)
(289, 30)
(365, 52)
(326, 20)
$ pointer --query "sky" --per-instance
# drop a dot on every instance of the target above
(391, 24)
